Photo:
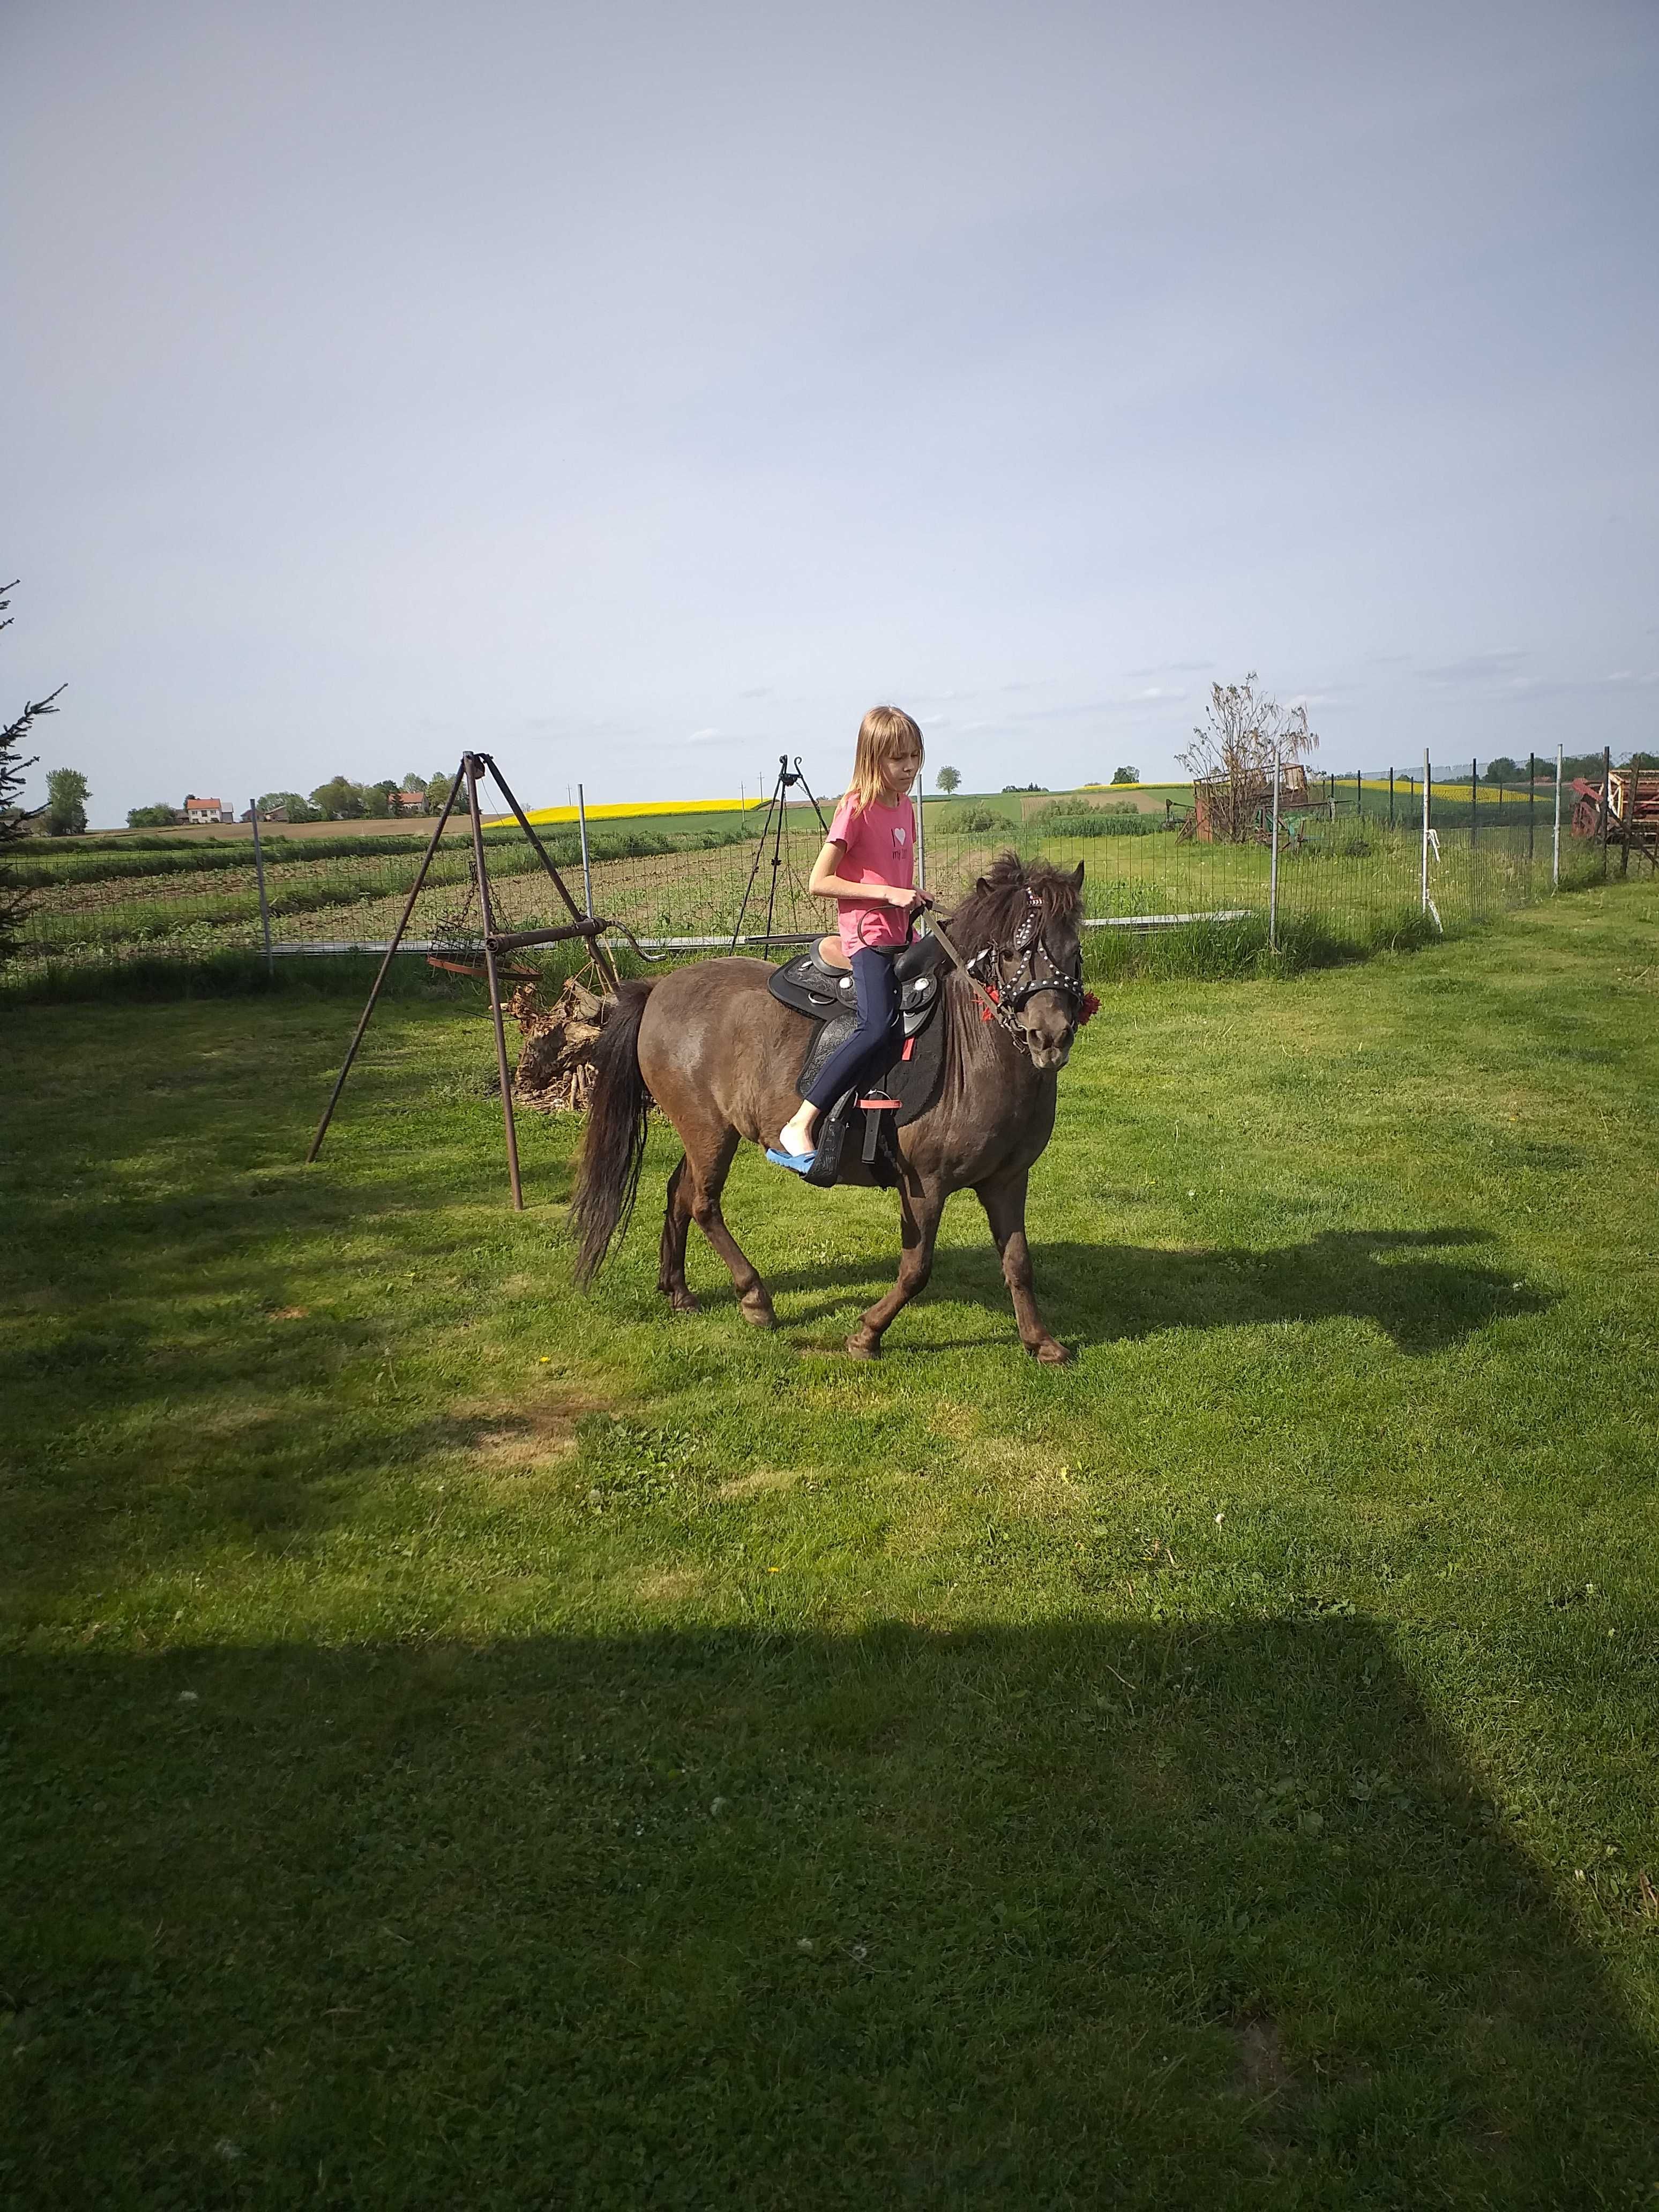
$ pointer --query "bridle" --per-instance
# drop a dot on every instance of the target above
(1003, 999)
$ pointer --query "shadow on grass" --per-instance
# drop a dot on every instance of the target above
(233, 1357)
(1073, 1914)
(1106, 1293)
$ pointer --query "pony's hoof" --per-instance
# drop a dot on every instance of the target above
(758, 1317)
(1051, 1351)
(863, 1347)
(683, 1302)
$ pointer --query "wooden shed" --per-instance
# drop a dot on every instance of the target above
(1239, 810)
(1632, 809)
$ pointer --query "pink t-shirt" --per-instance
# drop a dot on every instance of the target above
(881, 848)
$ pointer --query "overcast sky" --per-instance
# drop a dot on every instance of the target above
(635, 390)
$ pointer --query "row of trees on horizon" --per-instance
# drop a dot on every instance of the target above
(339, 800)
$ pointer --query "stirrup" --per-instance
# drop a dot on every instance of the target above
(874, 1106)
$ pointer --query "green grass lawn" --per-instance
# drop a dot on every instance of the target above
(470, 1745)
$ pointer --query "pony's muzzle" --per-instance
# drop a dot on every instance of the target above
(1045, 1054)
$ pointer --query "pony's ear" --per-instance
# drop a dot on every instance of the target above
(983, 883)
(1077, 876)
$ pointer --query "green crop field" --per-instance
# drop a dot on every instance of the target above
(1345, 884)
(467, 1744)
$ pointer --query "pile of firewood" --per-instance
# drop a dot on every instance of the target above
(554, 1074)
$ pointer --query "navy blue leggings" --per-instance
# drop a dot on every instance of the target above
(866, 1051)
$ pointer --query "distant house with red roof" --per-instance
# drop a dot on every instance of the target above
(207, 810)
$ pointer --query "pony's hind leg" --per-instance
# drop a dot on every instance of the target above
(706, 1178)
(676, 1222)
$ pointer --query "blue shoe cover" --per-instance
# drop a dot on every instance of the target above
(800, 1162)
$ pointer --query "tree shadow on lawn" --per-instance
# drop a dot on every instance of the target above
(210, 1359)
(1106, 1293)
(1075, 1913)
(241, 1241)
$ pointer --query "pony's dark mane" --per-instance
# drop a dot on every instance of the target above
(996, 906)
(990, 915)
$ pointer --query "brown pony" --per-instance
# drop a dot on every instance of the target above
(711, 1048)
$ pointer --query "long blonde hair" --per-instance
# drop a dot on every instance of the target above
(881, 733)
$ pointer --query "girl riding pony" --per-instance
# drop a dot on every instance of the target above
(868, 866)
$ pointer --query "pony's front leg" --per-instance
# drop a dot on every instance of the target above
(1004, 1201)
(919, 1213)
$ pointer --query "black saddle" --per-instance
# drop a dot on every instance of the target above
(812, 986)
(826, 997)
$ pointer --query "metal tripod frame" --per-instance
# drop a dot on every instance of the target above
(495, 941)
(773, 827)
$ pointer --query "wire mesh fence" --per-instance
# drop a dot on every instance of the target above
(1347, 865)
(97, 907)
(1350, 867)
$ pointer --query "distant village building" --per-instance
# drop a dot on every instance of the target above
(409, 802)
(207, 810)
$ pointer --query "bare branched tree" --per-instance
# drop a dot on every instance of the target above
(1230, 759)
(15, 819)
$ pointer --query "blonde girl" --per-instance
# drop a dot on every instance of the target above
(868, 866)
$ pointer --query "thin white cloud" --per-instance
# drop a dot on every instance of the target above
(1478, 668)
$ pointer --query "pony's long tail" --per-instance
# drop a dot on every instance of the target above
(613, 1149)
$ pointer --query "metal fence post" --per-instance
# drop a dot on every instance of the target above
(921, 847)
(1606, 800)
(1390, 799)
(587, 873)
(1426, 780)
(259, 870)
(1475, 798)
(1555, 843)
(1532, 810)
(1273, 868)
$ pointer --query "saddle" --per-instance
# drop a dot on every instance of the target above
(823, 991)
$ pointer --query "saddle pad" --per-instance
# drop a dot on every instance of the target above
(913, 1082)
